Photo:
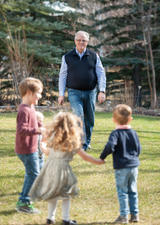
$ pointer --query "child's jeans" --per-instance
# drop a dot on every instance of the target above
(31, 164)
(126, 184)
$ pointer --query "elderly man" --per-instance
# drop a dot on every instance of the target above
(81, 71)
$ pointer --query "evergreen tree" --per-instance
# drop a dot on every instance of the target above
(46, 31)
(120, 38)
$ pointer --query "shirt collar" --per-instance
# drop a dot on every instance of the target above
(81, 54)
(123, 127)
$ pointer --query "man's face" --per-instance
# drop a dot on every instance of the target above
(81, 42)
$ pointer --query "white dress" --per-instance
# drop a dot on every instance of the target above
(56, 178)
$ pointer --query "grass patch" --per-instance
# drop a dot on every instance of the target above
(97, 202)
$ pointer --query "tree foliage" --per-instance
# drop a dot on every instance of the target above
(41, 30)
(44, 31)
(119, 29)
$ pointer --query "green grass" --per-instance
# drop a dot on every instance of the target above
(97, 202)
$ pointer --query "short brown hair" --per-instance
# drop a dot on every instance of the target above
(65, 132)
(29, 83)
(122, 113)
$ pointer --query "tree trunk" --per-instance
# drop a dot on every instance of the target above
(154, 93)
(146, 26)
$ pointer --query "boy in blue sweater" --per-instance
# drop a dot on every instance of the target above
(125, 148)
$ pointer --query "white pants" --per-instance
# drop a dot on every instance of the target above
(52, 204)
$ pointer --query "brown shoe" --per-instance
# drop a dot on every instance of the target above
(121, 220)
(134, 218)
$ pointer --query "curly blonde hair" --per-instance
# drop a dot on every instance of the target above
(65, 132)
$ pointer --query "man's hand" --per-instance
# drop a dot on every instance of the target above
(60, 100)
(101, 97)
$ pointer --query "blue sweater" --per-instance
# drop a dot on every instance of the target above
(125, 148)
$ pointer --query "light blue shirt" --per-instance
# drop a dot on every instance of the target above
(99, 71)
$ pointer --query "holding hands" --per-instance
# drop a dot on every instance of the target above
(89, 158)
(44, 148)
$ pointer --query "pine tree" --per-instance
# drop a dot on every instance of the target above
(46, 31)
(117, 26)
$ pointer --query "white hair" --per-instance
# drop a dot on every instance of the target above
(81, 32)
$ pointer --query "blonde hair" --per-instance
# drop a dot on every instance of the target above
(40, 116)
(31, 84)
(65, 132)
(81, 32)
(122, 114)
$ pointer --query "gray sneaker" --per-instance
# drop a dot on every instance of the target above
(121, 220)
(134, 218)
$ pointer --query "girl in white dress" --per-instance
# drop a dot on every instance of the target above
(56, 180)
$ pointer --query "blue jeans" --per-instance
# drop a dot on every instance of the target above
(126, 183)
(31, 164)
(83, 105)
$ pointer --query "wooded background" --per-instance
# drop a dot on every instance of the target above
(125, 33)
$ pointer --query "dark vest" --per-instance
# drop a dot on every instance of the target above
(81, 74)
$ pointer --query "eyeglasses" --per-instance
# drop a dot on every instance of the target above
(83, 41)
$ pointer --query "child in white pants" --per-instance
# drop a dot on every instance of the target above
(52, 205)
(56, 180)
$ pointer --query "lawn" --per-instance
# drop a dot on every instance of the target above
(97, 202)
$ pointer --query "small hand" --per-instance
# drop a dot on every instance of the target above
(44, 148)
(41, 130)
(100, 161)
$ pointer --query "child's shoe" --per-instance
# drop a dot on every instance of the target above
(26, 207)
(50, 222)
(70, 222)
(121, 220)
(134, 218)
